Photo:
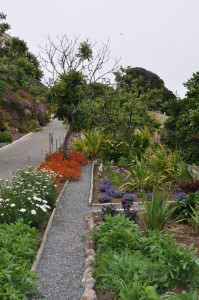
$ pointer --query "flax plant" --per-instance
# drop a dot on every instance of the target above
(195, 218)
(157, 211)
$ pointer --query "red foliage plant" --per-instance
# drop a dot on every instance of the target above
(67, 169)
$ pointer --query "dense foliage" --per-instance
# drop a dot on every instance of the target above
(182, 128)
(148, 84)
(17, 252)
(21, 90)
(137, 265)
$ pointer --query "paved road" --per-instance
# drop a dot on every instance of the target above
(30, 150)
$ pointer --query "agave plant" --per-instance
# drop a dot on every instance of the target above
(89, 144)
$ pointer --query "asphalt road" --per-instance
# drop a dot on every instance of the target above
(30, 150)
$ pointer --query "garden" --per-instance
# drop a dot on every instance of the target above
(146, 236)
(26, 203)
(145, 176)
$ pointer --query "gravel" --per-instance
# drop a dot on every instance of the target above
(61, 268)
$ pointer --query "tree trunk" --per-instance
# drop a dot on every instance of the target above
(67, 136)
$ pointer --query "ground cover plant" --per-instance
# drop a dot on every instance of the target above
(17, 251)
(66, 169)
(143, 266)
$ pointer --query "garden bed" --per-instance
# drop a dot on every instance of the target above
(98, 178)
(183, 233)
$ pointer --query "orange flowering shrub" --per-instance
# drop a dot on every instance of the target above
(79, 157)
(66, 169)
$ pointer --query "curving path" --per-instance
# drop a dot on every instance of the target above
(30, 149)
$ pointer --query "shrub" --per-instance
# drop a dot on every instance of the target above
(117, 233)
(112, 149)
(28, 126)
(65, 168)
(139, 178)
(195, 218)
(89, 144)
(167, 166)
(109, 210)
(5, 137)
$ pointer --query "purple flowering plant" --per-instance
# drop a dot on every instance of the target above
(104, 198)
(181, 195)
(111, 191)
(103, 187)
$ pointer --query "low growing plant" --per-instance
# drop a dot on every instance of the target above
(142, 266)
(66, 169)
(29, 196)
(184, 205)
(17, 252)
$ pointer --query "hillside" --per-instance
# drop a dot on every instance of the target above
(21, 90)
(19, 113)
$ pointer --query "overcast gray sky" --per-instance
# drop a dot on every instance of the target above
(161, 36)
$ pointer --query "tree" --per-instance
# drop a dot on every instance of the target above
(66, 55)
(74, 68)
(148, 84)
(68, 93)
(19, 68)
(182, 127)
(4, 26)
(118, 113)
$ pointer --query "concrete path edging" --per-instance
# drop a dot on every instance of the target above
(18, 140)
(91, 188)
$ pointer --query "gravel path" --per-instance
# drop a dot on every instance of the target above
(62, 265)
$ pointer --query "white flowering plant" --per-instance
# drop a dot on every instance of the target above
(29, 196)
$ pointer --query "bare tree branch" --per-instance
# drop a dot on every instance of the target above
(64, 55)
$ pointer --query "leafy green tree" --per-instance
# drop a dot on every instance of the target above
(148, 84)
(118, 113)
(182, 127)
(4, 26)
(68, 93)
(19, 68)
